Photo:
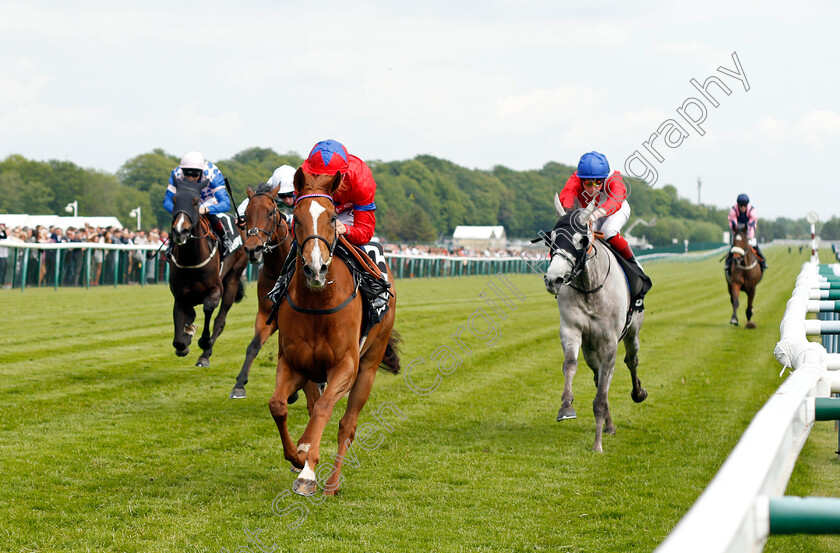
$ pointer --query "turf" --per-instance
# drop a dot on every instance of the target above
(109, 442)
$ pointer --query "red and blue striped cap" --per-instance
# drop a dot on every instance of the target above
(327, 157)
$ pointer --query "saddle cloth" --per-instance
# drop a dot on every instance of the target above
(637, 281)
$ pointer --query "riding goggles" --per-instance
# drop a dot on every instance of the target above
(592, 182)
(192, 173)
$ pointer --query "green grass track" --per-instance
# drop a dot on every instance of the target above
(109, 442)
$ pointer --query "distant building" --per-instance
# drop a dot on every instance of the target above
(480, 238)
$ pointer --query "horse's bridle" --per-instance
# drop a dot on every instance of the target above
(268, 234)
(330, 246)
(193, 236)
(577, 262)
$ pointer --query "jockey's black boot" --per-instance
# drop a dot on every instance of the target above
(761, 260)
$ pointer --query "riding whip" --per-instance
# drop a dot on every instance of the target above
(235, 205)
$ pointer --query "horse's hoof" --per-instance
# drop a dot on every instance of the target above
(597, 448)
(640, 397)
(190, 329)
(733, 322)
(293, 398)
(182, 352)
(202, 362)
(330, 492)
(304, 487)
(750, 324)
(237, 393)
(566, 413)
(294, 469)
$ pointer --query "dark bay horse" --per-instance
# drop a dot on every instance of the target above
(320, 323)
(198, 275)
(267, 239)
(593, 299)
(744, 274)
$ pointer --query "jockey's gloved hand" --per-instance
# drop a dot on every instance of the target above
(240, 222)
(597, 214)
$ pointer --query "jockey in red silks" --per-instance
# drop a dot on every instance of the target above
(353, 200)
(590, 183)
(742, 213)
(355, 209)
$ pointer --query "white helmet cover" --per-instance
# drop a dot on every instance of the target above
(283, 177)
(192, 160)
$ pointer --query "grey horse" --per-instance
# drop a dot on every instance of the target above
(593, 299)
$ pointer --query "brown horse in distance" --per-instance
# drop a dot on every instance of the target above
(267, 239)
(745, 274)
(320, 323)
(198, 275)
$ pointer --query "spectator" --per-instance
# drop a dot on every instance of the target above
(4, 256)
(73, 259)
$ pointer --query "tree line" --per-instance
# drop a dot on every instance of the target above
(418, 200)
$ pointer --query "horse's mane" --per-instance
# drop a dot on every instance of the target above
(565, 221)
(263, 188)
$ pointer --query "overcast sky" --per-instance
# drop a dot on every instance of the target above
(514, 83)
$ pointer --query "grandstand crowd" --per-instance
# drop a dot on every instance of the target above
(40, 269)
(41, 263)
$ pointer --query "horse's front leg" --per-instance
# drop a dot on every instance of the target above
(734, 292)
(183, 317)
(750, 295)
(359, 394)
(570, 340)
(286, 381)
(262, 331)
(206, 341)
(605, 363)
(339, 384)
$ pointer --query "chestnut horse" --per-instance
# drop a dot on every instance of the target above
(745, 274)
(320, 323)
(267, 240)
(198, 275)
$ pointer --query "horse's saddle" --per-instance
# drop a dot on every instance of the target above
(637, 281)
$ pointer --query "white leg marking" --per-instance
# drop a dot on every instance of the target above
(304, 448)
(307, 473)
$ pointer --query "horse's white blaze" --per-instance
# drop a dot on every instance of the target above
(307, 473)
(179, 225)
(315, 210)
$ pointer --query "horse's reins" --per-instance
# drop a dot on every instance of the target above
(331, 247)
(744, 255)
(204, 222)
(584, 259)
(269, 235)
(578, 264)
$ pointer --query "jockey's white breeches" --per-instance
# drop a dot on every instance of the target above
(612, 224)
(346, 217)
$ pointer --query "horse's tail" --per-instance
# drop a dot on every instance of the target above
(391, 359)
(240, 291)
